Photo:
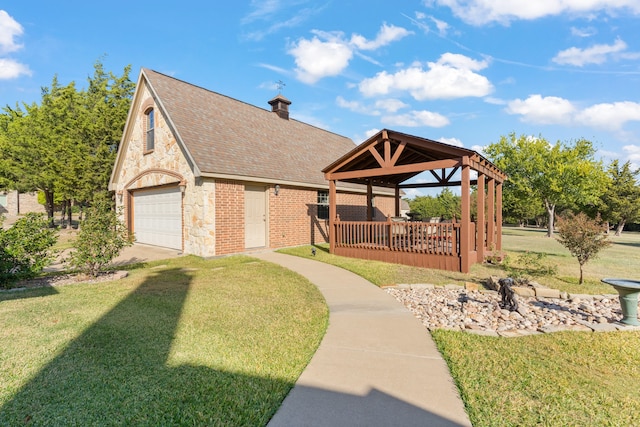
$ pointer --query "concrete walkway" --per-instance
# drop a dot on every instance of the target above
(376, 365)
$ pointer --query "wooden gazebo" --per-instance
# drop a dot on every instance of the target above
(390, 159)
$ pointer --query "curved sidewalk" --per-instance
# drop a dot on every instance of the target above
(376, 365)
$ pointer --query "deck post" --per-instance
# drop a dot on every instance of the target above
(465, 223)
(369, 201)
(332, 215)
(480, 239)
(397, 200)
(491, 213)
(499, 216)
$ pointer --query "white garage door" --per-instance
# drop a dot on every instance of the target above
(157, 217)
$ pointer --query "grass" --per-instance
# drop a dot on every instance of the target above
(559, 379)
(185, 342)
(619, 260)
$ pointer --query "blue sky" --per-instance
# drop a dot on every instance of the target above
(463, 72)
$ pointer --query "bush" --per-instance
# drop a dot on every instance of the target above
(528, 264)
(101, 238)
(583, 236)
(25, 248)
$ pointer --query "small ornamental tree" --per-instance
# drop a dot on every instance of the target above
(583, 236)
(101, 238)
(25, 248)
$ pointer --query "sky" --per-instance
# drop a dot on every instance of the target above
(463, 72)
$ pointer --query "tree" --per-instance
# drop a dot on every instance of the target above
(583, 236)
(101, 238)
(621, 200)
(445, 205)
(67, 144)
(555, 176)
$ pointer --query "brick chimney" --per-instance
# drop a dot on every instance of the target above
(280, 106)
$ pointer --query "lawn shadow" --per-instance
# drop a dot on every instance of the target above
(117, 373)
(21, 293)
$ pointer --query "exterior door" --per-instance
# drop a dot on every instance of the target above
(157, 217)
(255, 217)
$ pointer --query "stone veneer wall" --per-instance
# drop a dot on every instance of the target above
(165, 165)
(22, 203)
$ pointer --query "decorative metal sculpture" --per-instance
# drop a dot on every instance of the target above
(507, 294)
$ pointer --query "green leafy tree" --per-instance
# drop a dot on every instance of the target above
(555, 176)
(621, 201)
(25, 248)
(583, 236)
(101, 238)
(445, 205)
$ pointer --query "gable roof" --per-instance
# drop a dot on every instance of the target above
(225, 137)
(389, 158)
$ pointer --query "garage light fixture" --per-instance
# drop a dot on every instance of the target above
(183, 187)
(276, 189)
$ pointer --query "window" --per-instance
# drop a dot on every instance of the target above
(323, 204)
(150, 126)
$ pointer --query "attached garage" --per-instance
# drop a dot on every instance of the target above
(157, 217)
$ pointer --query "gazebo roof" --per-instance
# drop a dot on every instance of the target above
(390, 158)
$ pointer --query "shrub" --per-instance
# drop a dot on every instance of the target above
(101, 238)
(583, 236)
(25, 248)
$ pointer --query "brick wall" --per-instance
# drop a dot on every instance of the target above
(22, 203)
(291, 217)
(229, 213)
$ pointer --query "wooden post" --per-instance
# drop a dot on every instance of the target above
(369, 198)
(465, 223)
(332, 215)
(491, 210)
(480, 240)
(499, 217)
(397, 201)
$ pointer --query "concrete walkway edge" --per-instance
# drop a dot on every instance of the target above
(376, 365)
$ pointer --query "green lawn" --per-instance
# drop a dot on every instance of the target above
(189, 342)
(560, 379)
(619, 260)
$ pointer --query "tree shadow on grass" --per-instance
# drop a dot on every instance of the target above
(116, 373)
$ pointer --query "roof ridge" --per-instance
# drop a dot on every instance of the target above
(146, 70)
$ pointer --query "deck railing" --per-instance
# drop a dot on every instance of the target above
(415, 237)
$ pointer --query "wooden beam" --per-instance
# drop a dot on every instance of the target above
(393, 170)
(397, 201)
(377, 156)
(437, 184)
(480, 240)
(499, 216)
(399, 151)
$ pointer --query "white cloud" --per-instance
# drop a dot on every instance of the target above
(452, 76)
(369, 133)
(316, 59)
(386, 35)
(543, 110)
(10, 29)
(416, 119)
(610, 116)
(390, 105)
(356, 107)
(452, 141)
(480, 12)
(633, 153)
(329, 53)
(10, 69)
(554, 110)
(583, 32)
(596, 54)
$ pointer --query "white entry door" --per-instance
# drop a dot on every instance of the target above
(255, 218)
(157, 217)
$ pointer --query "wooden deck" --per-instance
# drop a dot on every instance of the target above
(421, 244)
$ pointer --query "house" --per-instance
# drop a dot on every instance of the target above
(15, 203)
(209, 175)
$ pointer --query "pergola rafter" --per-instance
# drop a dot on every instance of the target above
(390, 159)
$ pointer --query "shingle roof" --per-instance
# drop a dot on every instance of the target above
(229, 137)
